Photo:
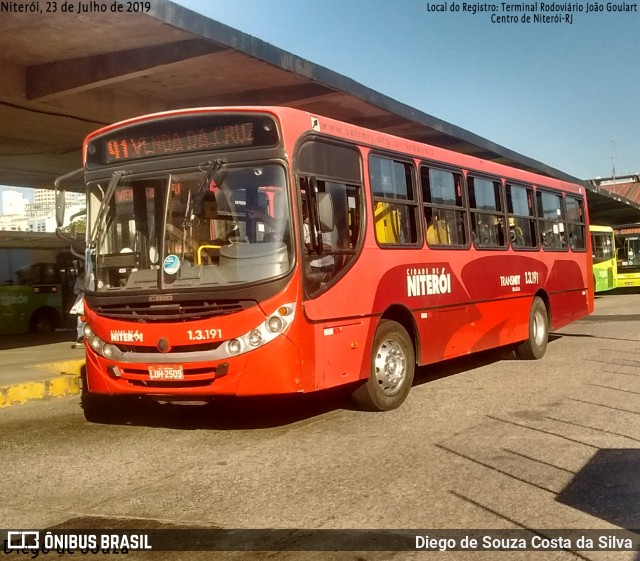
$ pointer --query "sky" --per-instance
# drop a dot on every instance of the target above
(563, 94)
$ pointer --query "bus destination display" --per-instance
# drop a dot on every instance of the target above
(626, 231)
(180, 136)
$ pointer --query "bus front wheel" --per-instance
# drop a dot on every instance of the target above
(96, 408)
(103, 409)
(535, 346)
(392, 369)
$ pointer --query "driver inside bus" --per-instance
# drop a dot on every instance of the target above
(207, 250)
(268, 220)
(278, 226)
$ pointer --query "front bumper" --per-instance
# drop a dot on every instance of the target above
(275, 368)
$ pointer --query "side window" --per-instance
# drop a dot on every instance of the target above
(576, 223)
(330, 186)
(487, 213)
(522, 217)
(394, 201)
(444, 207)
(551, 220)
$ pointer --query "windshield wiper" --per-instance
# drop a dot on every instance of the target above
(212, 174)
(104, 206)
(99, 231)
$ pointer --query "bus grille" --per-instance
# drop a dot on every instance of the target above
(171, 312)
(211, 346)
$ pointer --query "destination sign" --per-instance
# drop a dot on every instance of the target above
(181, 135)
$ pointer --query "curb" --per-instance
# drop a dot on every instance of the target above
(67, 382)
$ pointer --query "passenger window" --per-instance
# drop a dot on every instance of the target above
(487, 214)
(522, 217)
(552, 221)
(394, 201)
(576, 223)
(444, 207)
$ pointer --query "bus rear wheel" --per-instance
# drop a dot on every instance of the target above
(43, 321)
(535, 346)
(392, 369)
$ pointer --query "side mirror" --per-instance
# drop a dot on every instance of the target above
(60, 208)
(60, 195)
(325, 212)
(77, 248)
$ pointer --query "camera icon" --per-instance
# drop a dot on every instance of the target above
(23, 540)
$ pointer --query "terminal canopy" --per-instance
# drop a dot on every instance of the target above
(66, 75)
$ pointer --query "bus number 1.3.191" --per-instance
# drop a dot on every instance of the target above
(204, 334)
(531, 277)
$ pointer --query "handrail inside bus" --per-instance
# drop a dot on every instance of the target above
(200, 248)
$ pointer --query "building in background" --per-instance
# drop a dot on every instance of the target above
(627, 186)
(36, 214)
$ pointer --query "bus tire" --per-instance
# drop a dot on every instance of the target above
(43, 321)
(94, 407)
(99, 408)
(392, 369)
(535, 346)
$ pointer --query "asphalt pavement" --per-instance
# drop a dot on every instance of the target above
(39, 366)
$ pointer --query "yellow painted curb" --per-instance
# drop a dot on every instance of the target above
(67, 382)
(64, 385)
(21, 393)
(63, 367)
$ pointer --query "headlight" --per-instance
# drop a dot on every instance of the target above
(275, 324)
(107, 350)
(234, 346)
(96, 343)
(267, 331)
(254, 338)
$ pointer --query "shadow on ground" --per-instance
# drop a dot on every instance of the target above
(263, 412)
(608, 487)
(31, 339)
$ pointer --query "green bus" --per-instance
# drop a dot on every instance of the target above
(604, 258)
(37, 276)
(628, 254)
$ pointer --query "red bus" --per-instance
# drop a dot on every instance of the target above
(265, 250)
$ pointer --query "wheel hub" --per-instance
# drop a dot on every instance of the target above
(390, 367)
(539, 326)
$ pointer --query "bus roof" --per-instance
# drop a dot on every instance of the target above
(306, 121)
(598, 228)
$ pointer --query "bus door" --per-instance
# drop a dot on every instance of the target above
(331, 235)
(629, 252)
(333, 218)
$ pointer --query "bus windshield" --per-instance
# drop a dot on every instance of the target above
(602, 247)
(213, 226)
(629, 252)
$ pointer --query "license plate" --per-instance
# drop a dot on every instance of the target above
(166, 372)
